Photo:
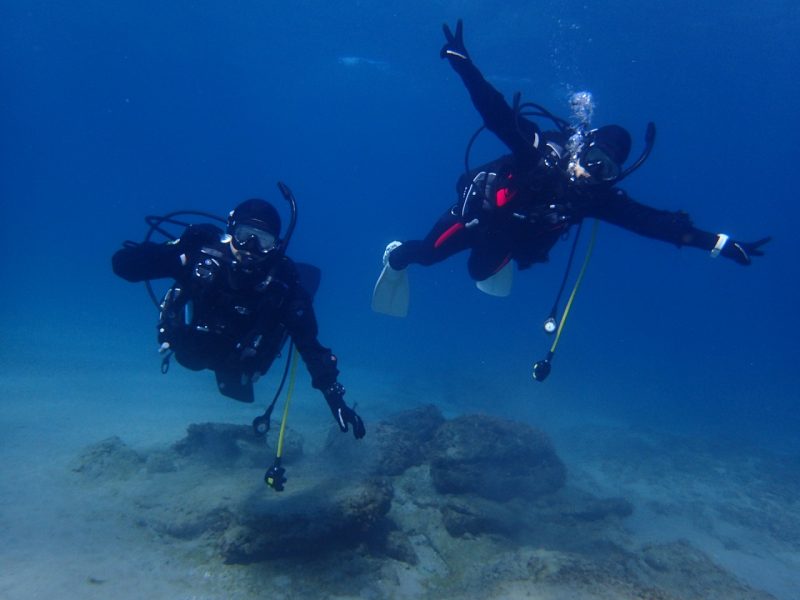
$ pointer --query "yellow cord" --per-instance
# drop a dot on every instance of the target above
(576, 286)
(286, 405)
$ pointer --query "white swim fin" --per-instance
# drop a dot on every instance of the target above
(390, 296)
(500, 283)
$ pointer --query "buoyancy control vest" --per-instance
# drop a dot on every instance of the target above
(497, 188)
(222, 318)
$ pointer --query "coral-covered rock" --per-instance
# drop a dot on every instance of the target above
(108, 459)
(225, 444)
(494, 458)
(308, 524)
(391, 446)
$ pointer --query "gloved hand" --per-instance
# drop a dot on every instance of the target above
(454, 49)
(742, 252)
(479, 199)
(343, 414)
(196, 235)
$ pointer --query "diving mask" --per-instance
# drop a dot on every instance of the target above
(599, 164)
(253, 239)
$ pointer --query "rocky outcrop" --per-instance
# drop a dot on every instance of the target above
(313, 524)
(495, 459)
(392, 446)
(423, 507)
(219, 444)
(110, 458)
(477, 465)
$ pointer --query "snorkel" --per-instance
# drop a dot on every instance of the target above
(649, 141)
(289, 197)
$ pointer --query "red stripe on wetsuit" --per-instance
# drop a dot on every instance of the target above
(448, 233)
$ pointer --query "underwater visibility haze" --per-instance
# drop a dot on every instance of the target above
(114, 111)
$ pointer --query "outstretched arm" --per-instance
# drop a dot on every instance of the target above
(497, 115)
(615, 206)
(139, 262)
(299, 318)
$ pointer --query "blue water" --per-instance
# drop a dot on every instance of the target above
(111, 111)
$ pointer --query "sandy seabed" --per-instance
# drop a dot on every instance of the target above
(730, 513)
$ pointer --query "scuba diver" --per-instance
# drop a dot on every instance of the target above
(515, 208)
(236, 299)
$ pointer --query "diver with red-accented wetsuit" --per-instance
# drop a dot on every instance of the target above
(516, 208)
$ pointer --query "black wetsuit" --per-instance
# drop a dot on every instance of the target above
(221, 316)
(531, 201)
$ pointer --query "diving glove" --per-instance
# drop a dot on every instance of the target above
(198, 235)
(742, 252)
(454, 49)
(343, 414)
(479, 198)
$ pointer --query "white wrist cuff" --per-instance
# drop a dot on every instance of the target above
(722, 239)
